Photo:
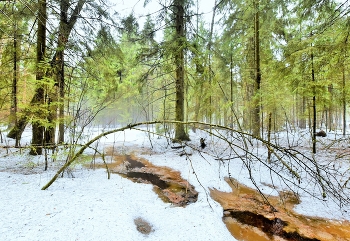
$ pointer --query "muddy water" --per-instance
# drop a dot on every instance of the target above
(167, 183)
(246, 215)
(148, 177)
(249, 218)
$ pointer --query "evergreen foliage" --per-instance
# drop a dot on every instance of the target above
(99, 62)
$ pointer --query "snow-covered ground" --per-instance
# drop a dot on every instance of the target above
(88, 206)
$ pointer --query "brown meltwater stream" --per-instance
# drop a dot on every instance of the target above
(167, 183)
(246, 215)
(249, 218)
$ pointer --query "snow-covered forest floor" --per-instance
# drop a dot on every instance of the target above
(85, 205)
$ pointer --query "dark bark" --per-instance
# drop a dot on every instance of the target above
(330, 117)
(61, 86)
(57, 65)
(302, 117)
(256, 105)
(17, 130)
(37, 127)
(38, 99)
(13, 111)
(180, 134)
(314, 121)
(344, 86)
(269, 138)
(210, 114)
(231, 90)
(344, 102)
(49, 134)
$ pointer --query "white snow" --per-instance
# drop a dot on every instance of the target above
(88, 206)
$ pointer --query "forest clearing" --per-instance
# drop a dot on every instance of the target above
(174, 120)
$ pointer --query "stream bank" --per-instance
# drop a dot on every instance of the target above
(250, 218)
(246, 215)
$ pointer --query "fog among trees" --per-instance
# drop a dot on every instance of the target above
(256, 64)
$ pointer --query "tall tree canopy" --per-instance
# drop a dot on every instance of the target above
(243, 64)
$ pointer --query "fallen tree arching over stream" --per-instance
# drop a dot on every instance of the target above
(293, 167)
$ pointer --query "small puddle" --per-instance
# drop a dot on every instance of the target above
(249, 218)
(168, 183)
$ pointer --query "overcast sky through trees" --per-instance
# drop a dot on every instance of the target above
(126, 7)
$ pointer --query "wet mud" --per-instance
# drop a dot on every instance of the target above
(246, 214)
(167, 183)
(248, 217)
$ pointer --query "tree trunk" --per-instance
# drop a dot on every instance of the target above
(256, 105)
(210, 72)
(231, 92)
(65, 29)
(331, 111)
(13, 111)
(49, 135)
(180, 134)
(313, 106)
(38, 128)
(57, 65)
(302, 117)
(344, 86)
(269, 152)
(61, 86)
(344, 102)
